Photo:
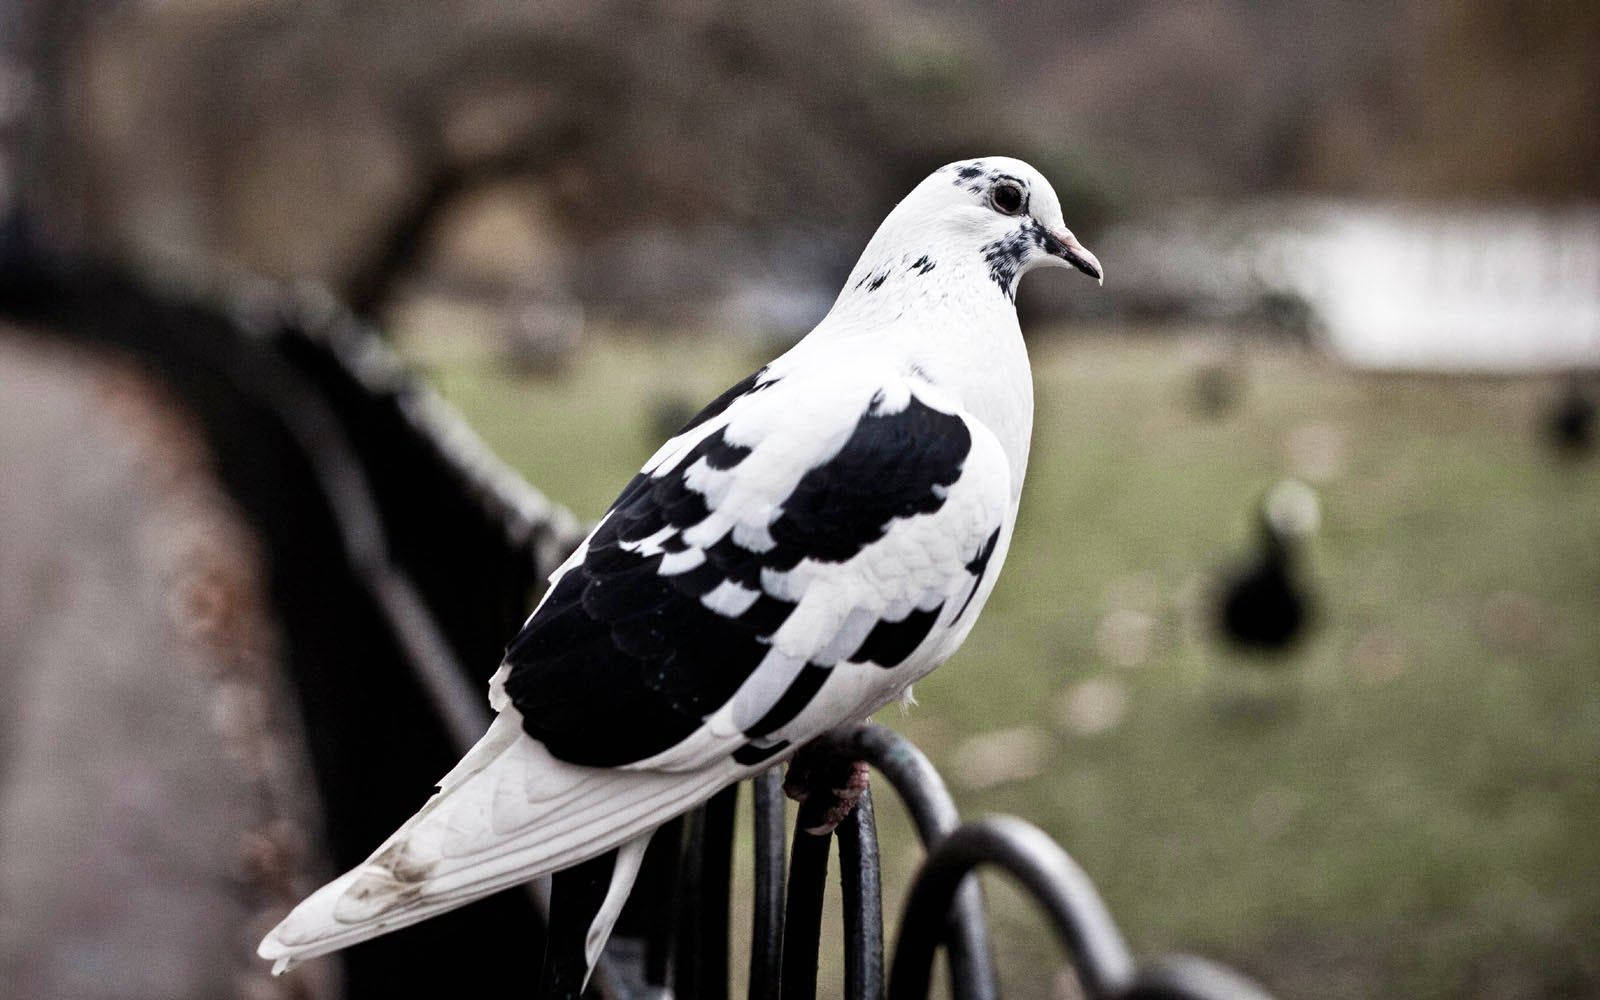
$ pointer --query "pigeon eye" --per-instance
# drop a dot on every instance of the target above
(1006, 198)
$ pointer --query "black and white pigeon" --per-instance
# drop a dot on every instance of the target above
(811, 543)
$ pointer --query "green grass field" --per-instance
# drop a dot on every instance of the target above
(1406, 806)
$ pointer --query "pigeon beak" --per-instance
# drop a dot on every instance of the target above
(1061, 243)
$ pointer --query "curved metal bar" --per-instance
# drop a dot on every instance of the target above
(315, 425)
(701, 969)
(533, 523)
(802, 914)
(933, 813)
(1185, 977)
(686, 949)
(916, 781)
(1044, 871)
(575, 897)
(659, 882)
(716, 864)
(862, 889)
(766, 932)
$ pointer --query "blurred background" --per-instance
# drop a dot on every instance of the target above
(1298, 647)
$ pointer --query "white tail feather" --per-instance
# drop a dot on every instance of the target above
(508, 812)
(629, 857)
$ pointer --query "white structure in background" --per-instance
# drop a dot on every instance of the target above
(1469, 288)
(1492, 289)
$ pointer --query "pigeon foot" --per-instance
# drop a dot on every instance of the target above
(827, 787)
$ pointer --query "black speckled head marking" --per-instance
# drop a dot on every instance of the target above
(972, 177)
(873, 280)
(1005, 256)
(977, 179)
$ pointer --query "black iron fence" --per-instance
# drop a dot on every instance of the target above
(404, 554)
(684, 949)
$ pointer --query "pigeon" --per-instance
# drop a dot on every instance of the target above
(1265, 606)
(1570, 419)
(816, 539)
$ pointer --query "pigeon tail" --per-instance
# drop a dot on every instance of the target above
(506, 814)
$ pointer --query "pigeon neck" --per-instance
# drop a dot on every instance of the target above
(935, 313)
(930, 282)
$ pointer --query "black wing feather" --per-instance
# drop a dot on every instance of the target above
(621, 663)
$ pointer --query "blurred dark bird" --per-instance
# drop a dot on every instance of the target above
(668, 414)
(1217, 388)
(542, 331)
(1265, 605)
(1569, 422)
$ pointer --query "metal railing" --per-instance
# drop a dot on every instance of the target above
(443, 548)
(684, 952)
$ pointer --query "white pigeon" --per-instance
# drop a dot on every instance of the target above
(819, 537)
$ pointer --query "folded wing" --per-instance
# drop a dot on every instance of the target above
(793, 558)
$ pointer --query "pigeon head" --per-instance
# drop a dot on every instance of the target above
(1012, 211)
(994, 217)
(1290, 515)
